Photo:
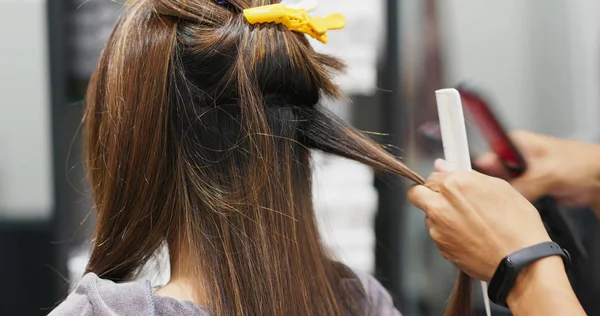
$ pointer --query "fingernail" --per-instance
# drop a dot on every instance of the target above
(440, 165)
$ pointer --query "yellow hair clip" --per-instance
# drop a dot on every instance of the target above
(296, 20)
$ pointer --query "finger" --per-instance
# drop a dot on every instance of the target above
(422, 197)
(436, 179)
(522, 139)
(441, 165)
(491, 165)
(452, 185)
(530, 144)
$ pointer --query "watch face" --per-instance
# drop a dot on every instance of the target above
(502, 281)
(506, 268)
(507, 264)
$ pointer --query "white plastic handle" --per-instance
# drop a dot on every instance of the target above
(456, 146)
(308, 5)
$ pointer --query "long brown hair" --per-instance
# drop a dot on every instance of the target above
(198, 133)
(460, 302)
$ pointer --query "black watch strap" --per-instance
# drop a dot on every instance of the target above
(509, 268)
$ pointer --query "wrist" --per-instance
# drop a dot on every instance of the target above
(533, 280)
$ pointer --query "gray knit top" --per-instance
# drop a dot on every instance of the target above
(94, 296)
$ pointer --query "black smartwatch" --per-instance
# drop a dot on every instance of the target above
(509, 268)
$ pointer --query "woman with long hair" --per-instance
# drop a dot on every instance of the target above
(198, 133)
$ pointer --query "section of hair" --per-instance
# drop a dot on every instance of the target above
(459, 302)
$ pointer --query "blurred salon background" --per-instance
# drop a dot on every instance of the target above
(538, 61)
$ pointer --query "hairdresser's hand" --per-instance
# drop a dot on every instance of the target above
(476, 220)
(565, 169)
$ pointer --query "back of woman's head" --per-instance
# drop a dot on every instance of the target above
(198, 130)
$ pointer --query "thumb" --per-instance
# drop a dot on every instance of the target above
(440, 165)
(491, 165)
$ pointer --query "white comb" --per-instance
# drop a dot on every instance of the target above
(456, 147)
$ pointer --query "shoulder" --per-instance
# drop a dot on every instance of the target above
(379, 299)
(94, 296)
